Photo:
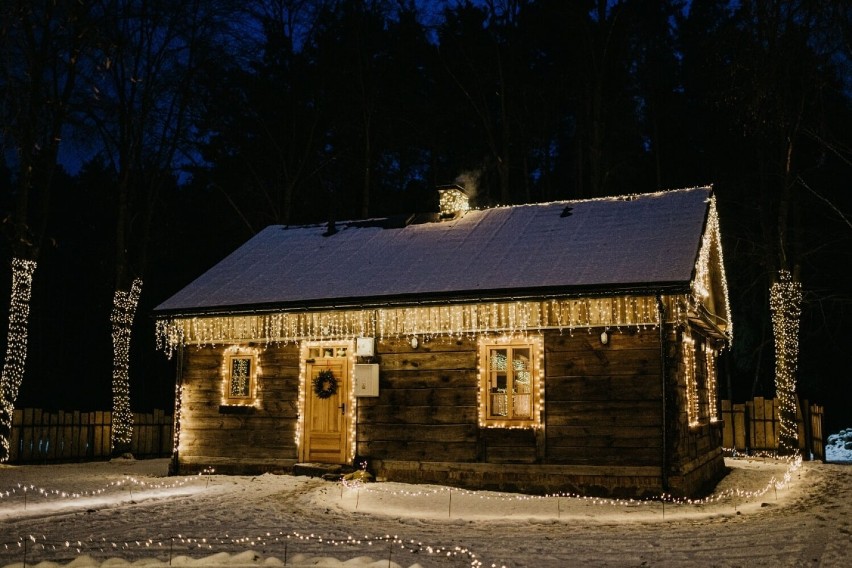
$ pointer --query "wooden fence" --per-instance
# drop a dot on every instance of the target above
(41, 437)
(754, 427)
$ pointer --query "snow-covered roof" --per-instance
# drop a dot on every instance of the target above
(634, 243)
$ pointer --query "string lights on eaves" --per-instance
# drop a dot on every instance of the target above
(16, 347)
(571, 315)
(710, 255)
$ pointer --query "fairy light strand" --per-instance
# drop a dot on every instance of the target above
(270, 539)
(455, 321)
(16, 348)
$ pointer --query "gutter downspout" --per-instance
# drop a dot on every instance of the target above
(664, 456)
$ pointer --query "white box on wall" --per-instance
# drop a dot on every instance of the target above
(366, 379)
(365, 347)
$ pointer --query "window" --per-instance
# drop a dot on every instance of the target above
(240, 378)
(510, 393)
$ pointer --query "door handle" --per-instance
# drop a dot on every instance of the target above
(342, 408)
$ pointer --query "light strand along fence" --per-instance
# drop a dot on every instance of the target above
(754, 426)
(39, 436)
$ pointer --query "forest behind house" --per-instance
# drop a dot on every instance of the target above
(143, 140)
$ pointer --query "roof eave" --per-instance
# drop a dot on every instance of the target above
(412, 300)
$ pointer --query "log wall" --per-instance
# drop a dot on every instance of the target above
(602, 428)
(695, 462)
(235, 439)
(604, 402)
(427, 408)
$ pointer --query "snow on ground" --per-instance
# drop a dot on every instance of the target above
(765, 512)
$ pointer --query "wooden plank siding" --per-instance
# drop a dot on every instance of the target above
(603, 402)
(40, 436)
(427, 408)
(230, 439)
(602, 424)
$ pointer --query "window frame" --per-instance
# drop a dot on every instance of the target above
(536, 365)
(230, 398)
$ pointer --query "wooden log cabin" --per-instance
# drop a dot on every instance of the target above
(558, 347)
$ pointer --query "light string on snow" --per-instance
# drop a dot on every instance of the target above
(270, 539)
(31, 544)
(793, 464)
(24, 490)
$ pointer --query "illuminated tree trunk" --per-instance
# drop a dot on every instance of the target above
(785, 302)
(123, 311)
(16, 348)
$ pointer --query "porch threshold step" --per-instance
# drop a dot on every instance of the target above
(330, 471)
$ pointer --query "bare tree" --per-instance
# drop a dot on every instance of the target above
(41, 49)
(142, 106)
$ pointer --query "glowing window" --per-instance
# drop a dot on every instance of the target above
(510, 392)
(240, 378)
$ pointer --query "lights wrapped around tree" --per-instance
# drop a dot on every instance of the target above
(16, 348)
(785, 303)
(123, 312)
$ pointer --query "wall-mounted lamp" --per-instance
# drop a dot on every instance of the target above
(414, 342)
(604, 337)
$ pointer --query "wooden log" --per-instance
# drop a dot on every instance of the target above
(602, 363)
(439, 344)
(603, 388)
(420, 450)
(430, 397)
(584, 339)
(592, 414)
(430, 378)
(429, 361)
(604, 437)
(415, 432)
(394, 414)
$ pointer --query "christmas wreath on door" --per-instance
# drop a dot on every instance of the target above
(325, 384)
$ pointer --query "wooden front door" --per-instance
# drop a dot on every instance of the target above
(325, 436)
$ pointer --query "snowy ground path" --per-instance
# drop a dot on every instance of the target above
(94, 514)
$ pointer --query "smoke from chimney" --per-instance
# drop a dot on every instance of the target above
(469, 181)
